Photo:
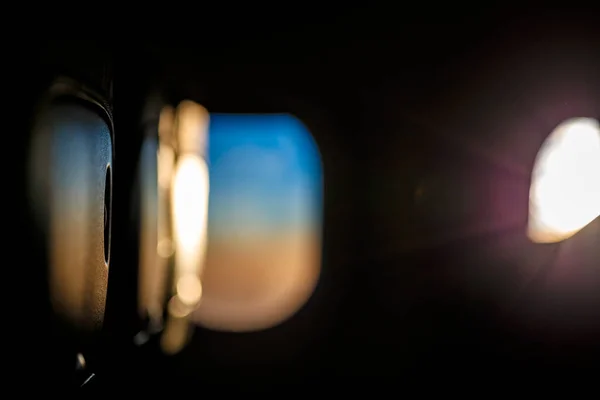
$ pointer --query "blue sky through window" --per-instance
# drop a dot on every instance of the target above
(265, 175)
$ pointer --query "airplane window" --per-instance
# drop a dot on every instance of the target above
(71, 156)
(264, 225)
(565, 189)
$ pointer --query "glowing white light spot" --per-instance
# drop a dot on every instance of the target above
(565, 189)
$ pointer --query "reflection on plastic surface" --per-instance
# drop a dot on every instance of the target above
(565, 189)
(184, 185)
(151, 279)
(70, 159)
(263, 255)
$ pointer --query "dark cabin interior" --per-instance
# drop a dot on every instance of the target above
(428, 127)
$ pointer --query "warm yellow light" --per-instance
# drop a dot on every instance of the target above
(183, 178)
(565, 189)
(190, 207)
(189, 290)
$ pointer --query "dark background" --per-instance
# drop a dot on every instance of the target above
(428, 127)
